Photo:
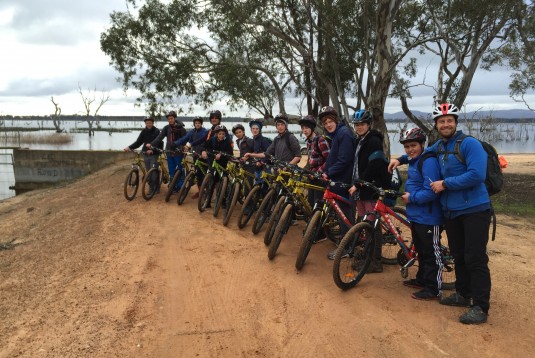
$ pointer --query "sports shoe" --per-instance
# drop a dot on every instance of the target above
(475, 315)
(456, 299)
(413, 283)
(332, 254)
(425, 295)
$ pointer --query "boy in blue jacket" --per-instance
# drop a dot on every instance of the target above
(425, 215)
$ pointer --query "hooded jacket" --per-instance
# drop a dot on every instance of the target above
(340, 160)
(147, 136)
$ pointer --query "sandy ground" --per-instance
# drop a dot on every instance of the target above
(89, 274)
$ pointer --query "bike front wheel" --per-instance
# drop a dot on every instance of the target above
(220, 194)
(205, 195)
(353, 256)
(231, 202)
(171, 187)
(281, 229)
(184, 190)
(310, 236)
(273, 220)
(249, 207)
(263, 211)
(146, 190)
(131, 184)
(390, 246)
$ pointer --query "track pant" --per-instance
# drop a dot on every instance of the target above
(175, 163)
(426, 239)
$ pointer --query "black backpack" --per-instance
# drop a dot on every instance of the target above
(395, 179)
(494, 176)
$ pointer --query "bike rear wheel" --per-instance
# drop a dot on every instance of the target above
(273, 220)
(263, 211)
(171, 187)
(281, 229)
(184, 190)
(231, 202)
(353, 256)
(205, 192)
(249, 207)
(146, 191)
(131, 184)
(220, 194)
(389, 252)
(309, 238)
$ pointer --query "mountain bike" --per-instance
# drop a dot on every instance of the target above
(354, 254)
(131, 182)
(161, 175)
(207, 187)
(198, 165)
(254, 198)
(179, 173)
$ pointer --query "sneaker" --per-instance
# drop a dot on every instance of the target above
(456, 299)
(413, 283)
(425, 295)
(332, 254)
(475, 315)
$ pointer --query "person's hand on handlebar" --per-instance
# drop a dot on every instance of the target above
(394, 163)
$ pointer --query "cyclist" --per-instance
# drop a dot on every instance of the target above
(220, 142)
(466, 206)
(194, 139)
(145, 138)
(371, 165)
(339, 162)
(172, 132)
(245, 145)
(285, 147)
(260, 145)
(425, 215)
(318, 151)
(215, 120)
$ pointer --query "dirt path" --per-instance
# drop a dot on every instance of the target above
(92, 275)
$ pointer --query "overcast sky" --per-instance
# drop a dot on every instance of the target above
(51, 47)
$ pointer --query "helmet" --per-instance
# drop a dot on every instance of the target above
(256, 122)
(171, 114)
(197, 119)
(308, 121)
(412, 135)
(362, 116)
(216, 114)
(326, 111)
(220, 128)
(282, 117)
(444, 109)
(148, 119)
(238, 126)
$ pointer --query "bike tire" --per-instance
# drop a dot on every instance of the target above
(309, 238)
(448, 266)
(206, 188)
(263, 211)
(171, 187)
(390, 247)
(358, 244)
(249, 207)
(231, 202)
(184, 190)
(275, 214)
(220, 195)
(281, 229)
(131, 184)
(145, 187)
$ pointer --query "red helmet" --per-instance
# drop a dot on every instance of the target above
(413, 135)
(445, 109)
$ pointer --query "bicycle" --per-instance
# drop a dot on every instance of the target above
(207, 187)
(163, 176)
(356, 248)
(131, 182)
(254, 199)
(198, 164)
(177, 175)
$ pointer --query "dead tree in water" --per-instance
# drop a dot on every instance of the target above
(88, 101)
(56, 117)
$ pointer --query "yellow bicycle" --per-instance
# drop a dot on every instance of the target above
(131, 182)
(162, 176)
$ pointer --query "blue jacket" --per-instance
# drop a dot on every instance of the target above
(339, 165)
(195, 138)
(465, 183)
(424, 205)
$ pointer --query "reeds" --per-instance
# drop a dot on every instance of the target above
(30, 138)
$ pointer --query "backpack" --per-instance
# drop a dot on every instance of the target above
(423, 158)
(494, 176)
(395, 180)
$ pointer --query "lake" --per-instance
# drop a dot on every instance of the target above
(506, 138)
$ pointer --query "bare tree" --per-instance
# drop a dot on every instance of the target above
(88, 100)
(56, 117)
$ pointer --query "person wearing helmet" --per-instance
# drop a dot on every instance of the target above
(145, 138)
(260, 145)
(339, 163)
(215, 120)
(371, 165)
(194, 140)
(467, 212)
(285, 147)
(318, 151)
(244, 143)
(172, 132)
(424, 213)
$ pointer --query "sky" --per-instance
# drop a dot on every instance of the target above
(51, 48)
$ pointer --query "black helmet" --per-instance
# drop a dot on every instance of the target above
(220, 128)
(197, 119)
(256, 122)
(412, 135)
(216, 114)
(238, 126)
(445, 109)
(283, 118)
(170, 114)
(308, 121)
(328, 111)
(148, 119)
(362, 116)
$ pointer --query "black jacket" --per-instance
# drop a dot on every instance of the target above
(145, 137)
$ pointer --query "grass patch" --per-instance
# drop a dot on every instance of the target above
(27, 138)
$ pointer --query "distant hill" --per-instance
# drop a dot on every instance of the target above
(507, 114)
